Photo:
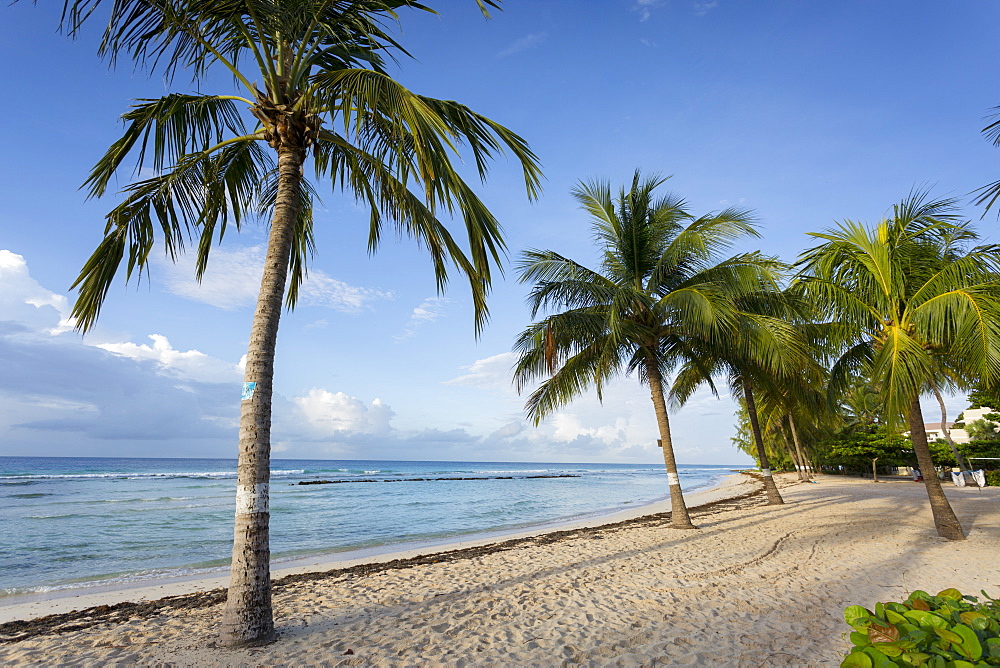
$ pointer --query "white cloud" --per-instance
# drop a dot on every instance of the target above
(429, 310)
(232, 281)
(23, 299)
(523, 44)
(621, 428)
(491, 373)
(645, 8)
(329, 414)
(191, 364)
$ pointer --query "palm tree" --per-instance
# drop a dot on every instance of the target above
(989, 193)
(760, 361)
(660, 284)
(311, 79)
(918, 309)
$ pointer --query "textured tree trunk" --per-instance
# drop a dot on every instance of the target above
(806, 468)
(800, 466)
(964, 466)
(874, 471)
(248, 619)
(944, 517)
(679, 518)
(773, 496)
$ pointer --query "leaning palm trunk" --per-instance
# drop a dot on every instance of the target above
(794, 453)
(964, 466)
(248, 618)
(773, 496)
(679, 518)
(806, 467)
(945, 521)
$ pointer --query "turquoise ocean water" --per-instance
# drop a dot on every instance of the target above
(71, 522)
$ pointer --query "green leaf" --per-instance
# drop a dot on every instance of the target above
(993, 647)
(927, 619)
(888, 648)
(976, 620)
(857, 616)
(856, 660)
(895, 618)
(970, 645)
(879, 660)
(948, 635)
(916, 658)
(860, 639)
(951, 593)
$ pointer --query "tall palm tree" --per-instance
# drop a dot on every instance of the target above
(661, 282)
(919, 309)
(312, 92)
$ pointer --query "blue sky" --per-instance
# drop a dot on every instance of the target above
(805, 112)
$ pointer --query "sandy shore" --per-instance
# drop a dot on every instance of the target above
(755, 585)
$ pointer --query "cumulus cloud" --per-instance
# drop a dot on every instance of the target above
(23, 299)
(63, 395)
(523, 44)
(232, 281)
(427, 311)
(330, 414)
(191, 364)
(622, 427)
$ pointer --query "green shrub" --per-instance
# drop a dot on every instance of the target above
(944, 631)
(992, 478)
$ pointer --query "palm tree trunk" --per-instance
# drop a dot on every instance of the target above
(679, 518)
(964, 466)
(944, 517)
(773, 496)
(807, 469)
(248, 618)
(800, 467)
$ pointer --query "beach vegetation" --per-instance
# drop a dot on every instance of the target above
(779, 457)
(947, 629)
(867, 449)
(312, 101)
(916, 307)
(983, 429)
(662, 283)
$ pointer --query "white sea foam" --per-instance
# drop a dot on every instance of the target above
(139, 475)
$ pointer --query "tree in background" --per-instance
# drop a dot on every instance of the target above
(312, 92)
(866, 447)
(661, 284)
(983, 430)
(916, 307)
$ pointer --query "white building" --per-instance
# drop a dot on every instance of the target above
(969, 416)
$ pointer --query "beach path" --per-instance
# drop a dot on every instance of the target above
(755, 585)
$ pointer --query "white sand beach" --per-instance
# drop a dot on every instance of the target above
(755, 585)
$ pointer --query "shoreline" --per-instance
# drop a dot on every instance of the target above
(755, 584)
(64, 601)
